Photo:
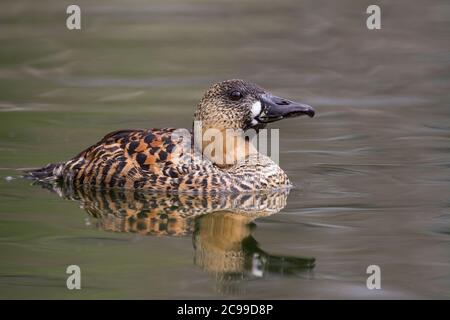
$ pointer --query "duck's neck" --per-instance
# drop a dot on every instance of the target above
(225, 147)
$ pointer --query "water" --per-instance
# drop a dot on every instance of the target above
(371, 169)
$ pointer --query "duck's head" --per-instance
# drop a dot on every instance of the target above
(238, 104)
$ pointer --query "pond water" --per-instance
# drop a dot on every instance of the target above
(371, 170)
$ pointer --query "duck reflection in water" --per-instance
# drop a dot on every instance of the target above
(221, 227)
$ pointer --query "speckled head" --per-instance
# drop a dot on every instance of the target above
(238, 104)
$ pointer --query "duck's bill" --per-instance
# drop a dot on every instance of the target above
(275, 108)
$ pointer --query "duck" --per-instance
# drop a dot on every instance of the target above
(182, 160)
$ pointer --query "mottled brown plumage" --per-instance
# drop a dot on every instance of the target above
(171, 160)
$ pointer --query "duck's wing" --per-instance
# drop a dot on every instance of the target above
(131, 158)
(145, 147)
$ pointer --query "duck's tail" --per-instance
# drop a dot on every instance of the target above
(50, 172)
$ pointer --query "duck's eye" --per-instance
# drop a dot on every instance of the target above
(235, 95)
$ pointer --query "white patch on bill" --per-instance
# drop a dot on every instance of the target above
(256, 109)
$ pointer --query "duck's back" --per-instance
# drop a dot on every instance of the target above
(147, 158)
